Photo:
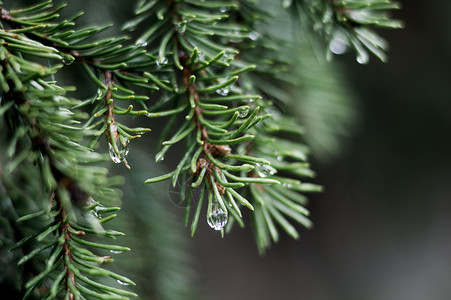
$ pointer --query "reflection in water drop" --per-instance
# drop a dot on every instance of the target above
(217, 219)
(223, 92)
(122, 147)
(265, 170)
(243, 112)
(67, 60)
(141, 43)
(339, 43)
(162, 61)
(253, 35)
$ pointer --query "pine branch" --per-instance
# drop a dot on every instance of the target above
(202, 69)
(107, 62)
(45, 133)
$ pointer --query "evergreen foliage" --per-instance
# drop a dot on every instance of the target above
(215, 74)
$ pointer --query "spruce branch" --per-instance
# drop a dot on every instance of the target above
(46, 133)
(201, 60)
(107, 62)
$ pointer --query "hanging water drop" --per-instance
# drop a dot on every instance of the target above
(337, 46)
(113, 155)
(122, 283)
(122, 147)
(223, 9)
(67, 60)
(265, 170)
(286, 3)
(217, 219)
(253, 35)
(122, 151)
(279, 157)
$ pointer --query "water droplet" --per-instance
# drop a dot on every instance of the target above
(243, 112)
(162, 61)
(286, 3)
(67, 60)
(141, 43)
(253, 35)
(223, 92)
(337, 46)
(113, 155)
(122, 147)
(279, 157)
(287, 185)
(115, 251)
(265, 170)
(97, 211)
(223, 9)
(217, 219)
(122, 283)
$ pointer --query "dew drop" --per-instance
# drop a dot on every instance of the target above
(217, 219)
(122, 147)
(162, 61)
(67, 60)
(279, 157)
(253, 35)
(337, 46)
(223, 92)
(113, 155)
(242, 113)
(115, 251)
(223, 9)
(141, 43)
(286, 3)
(122, 283)
(97, 211)
(265, 170)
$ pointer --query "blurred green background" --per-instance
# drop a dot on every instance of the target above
(382, 226)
